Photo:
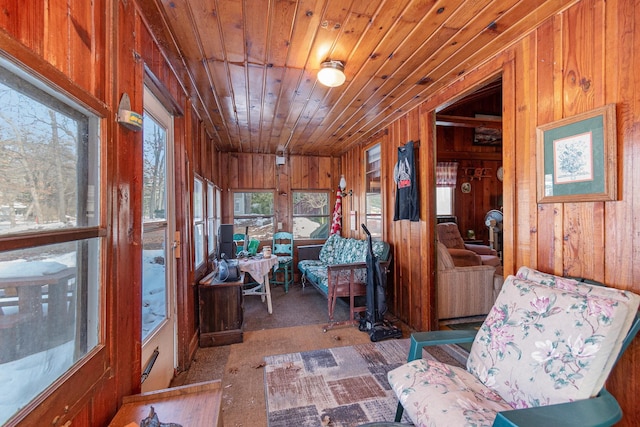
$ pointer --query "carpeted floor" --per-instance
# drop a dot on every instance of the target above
(296, 325)
(337, 387)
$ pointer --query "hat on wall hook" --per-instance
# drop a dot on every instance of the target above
(129, 119)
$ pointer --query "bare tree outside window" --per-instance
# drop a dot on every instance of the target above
(311, 215)
(50, 295)
(254, 209)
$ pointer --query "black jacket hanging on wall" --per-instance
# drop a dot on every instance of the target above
(404, 174)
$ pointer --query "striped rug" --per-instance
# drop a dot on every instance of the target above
(341, 386)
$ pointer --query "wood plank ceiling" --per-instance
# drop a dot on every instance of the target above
(251, 65)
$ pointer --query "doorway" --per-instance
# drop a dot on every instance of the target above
(469, 139)
(159, 339)
(469, 170)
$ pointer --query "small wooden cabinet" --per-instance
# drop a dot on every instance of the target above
(221, 311)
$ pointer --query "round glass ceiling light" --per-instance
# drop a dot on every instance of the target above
(331, 73)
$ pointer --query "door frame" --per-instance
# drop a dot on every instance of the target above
(158, 379)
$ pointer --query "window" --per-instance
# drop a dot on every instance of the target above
(253, 210)
(444, 201)
(373, 188)
(311, 215)
(198, 220)
(218, 219)
(50, 217)
(446, 178)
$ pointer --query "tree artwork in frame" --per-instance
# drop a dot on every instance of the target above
(577, 158)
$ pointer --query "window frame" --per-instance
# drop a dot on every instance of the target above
(199, 221)
(211, 209)
(375, 234)
(96, 364)
(272, 216)
(328, 215)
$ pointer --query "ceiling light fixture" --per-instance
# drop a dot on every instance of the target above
(331, 73)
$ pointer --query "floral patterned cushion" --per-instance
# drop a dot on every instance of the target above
(622, 296)
(543, 344)
(339, 250)
(435, 394)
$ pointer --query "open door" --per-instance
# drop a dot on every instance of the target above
(159, 339)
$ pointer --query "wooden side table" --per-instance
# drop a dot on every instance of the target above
(221, 311)
(190, 405)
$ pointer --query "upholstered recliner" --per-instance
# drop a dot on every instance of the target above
(541, 358)
(463, 291)
(465, 254)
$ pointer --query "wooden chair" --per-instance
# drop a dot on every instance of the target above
(541, 358)
(283, 248)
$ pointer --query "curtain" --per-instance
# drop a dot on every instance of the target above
(446, 174)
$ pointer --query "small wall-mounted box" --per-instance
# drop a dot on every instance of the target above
(280, 160)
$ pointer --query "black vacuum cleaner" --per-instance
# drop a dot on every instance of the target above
(374, 322)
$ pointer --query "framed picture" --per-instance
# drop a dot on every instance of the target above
(577, 158)
(490, 133)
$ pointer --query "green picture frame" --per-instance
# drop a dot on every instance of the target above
(577, 158)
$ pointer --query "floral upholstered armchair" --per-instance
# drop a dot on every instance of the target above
(541, 358)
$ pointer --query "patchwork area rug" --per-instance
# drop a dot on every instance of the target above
(339, 387)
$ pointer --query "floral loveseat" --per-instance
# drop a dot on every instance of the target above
(541, 357)
(341, 270)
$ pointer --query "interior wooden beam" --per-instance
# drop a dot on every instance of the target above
(468, 122)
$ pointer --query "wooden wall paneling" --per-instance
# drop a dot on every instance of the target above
(313, 173)
(300, 172)
(401, 248)
(545, 240)
(100, 62)
(511, 110)
(57, 22)
(328, 172)
(256, 171)
(208, 152)
(233, 173)
(622, 219)
(128, 242)
(26, 22)
(81, 52)
(269, 168)
(428, 282)
(623, 238)
(416, 249)
(583, 89)
(245, 171)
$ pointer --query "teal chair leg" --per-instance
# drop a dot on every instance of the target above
(399, 413)
(287, 276)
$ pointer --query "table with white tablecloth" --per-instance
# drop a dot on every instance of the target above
(259, 268)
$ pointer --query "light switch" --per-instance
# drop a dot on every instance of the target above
(279, 226)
